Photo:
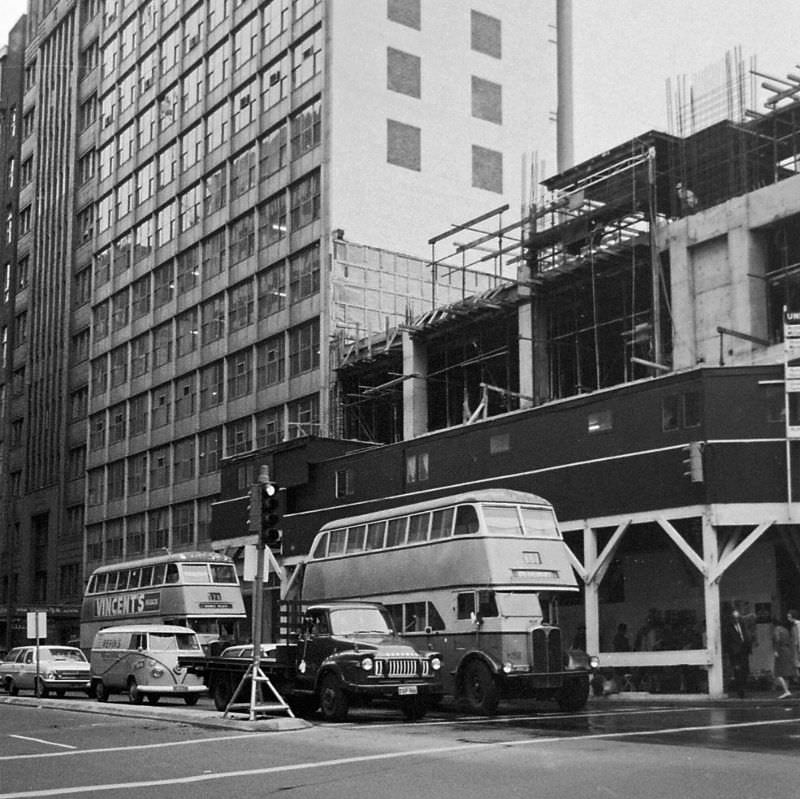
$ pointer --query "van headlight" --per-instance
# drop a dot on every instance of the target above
(368, 664)
(157, 672)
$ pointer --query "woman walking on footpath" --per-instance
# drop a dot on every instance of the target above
(784, 668)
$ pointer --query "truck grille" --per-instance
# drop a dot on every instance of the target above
(401, 667)
(546, 650)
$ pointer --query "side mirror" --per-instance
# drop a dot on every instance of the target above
(475, 618)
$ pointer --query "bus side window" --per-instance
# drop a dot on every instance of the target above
(91, 587)
(466, 520)
(486, 604)
(337, 542)
(375, 535)
(442, 523)
(172, 573)
(133, 579)
(465, 605)
(147, 577)
(396, 534)
(418, 527)
(355, 538)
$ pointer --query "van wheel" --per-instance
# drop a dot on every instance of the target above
(332, 699)
(135, 696)
(153, 699)
(480, 692)
(191, 699)
(40, 689)
(12, 688)
(100, 691)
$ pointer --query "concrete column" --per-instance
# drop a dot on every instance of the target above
(716, 686)
(415, 389)
(592, 594)
(524, 335)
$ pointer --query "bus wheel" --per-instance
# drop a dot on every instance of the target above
(40, 689)
(413, 708)
(153, 699)
(574, 694)
(12, 688)
(135, 696)
(222, 695)
(479, 689)
(191, 699)
(332, 699)
(100, 691)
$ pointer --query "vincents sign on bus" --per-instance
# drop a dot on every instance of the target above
(127, 604)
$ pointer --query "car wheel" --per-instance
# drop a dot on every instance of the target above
(191, 699)
(12, 688)
(40, 689)
(479, 689)
(135, 696)
(222, 695)
(100, 691)
(413, 708)
(153, 699)
(332, 699)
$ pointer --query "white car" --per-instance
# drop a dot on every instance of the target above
(60, 669)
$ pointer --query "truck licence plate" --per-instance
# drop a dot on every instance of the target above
(406, 690)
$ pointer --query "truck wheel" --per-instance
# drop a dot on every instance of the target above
(100, 691)
(332, 699)
(135, 696)
(573, 694)
(40, 689)
(191, 699)
(304, 706)
(12, 688)
(222, 695)
(479, 689)
(413, 708)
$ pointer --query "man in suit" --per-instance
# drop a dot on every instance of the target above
(737, 645)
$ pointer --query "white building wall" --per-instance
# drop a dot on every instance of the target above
(384, 205)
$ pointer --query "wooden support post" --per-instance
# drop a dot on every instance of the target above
(716, 684)
(591, 593)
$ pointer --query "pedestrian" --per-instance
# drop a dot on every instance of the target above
(784, 668)
(737, 643)
(794, 629)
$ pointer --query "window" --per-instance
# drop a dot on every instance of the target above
(170, 49)
(306, 130)
(271, 291)
(140, 303)
(243, 172)
(160, 406)
(241, 306)
(487, 100)
(188, 267)
(135, 535)
(189, 207)
(100, 321)
(192, 146)
(238, 437)
(119, 310)
(272, 152)
(304, 348)
(417, 467)
(145, 182)
(183, 460)
(209, 451)
(487, 169)
(406, 12)
(305, 201)
(116, 480)
(140, 352)
(344, 483)
(99, 376)
(274, 83)
(600, 421)
(137, 474)
(165, 224)
(26, 175)
(96, 486)
(403, 72)
(167, 160)
(119, 366)
(244, 106)
(269, 427)
(214, 254)
(211, 386)
(185, 397)
(159, 468)
(158, 529)
(76, 463)
(188, 332)
(138, 413)
(499, 443)
(142, 240)
(243, 238)
(304, 417)
(403, 145)
(692, 409)
(270, 362)
(217, 127)
(193, 29)
(486, 34)
(307, 58)
(240, 374)
(163, 284)
(217, 64)
(304, 274)
(146, 126)
(213, 319)
(183, 523)
(272, 220)
(97, 431)
(245, 42)
(162, 345)
(670, 412)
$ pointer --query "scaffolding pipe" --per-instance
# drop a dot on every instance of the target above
(565, 112)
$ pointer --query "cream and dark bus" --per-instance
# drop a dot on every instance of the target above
(475, 576)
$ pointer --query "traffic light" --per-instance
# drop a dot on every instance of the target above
(255, 506)
(693, 461)
(271, 516)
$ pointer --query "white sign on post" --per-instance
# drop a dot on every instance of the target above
(249, 567)
(37, 624)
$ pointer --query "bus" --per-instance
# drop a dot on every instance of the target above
(475, 576)
(193, 589)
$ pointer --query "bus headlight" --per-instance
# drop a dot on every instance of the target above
(367, 664)
(436, 664)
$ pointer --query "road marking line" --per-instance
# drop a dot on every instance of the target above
(41, 741)
(345, 761)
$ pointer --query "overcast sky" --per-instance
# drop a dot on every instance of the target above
(626, 49)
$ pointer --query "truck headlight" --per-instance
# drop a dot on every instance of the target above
(594, 662)
(368, 664)
(51, 675)
(436, 663)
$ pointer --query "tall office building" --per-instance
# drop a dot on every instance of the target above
(187, 167)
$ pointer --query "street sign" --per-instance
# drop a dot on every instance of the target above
(37, 624)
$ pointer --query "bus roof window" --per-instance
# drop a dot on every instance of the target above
(539, 523)
(375, 535)
(442, 523)
(172, 573)
(336, 544)
(192, 573)
(466, 520)
(223, 573)
(396, 533)
(418, 527)
(502, 519)
(321, 548)
(355, 538)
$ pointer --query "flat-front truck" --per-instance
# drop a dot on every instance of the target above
(333, 655)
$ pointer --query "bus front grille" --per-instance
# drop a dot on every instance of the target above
(401, 667)
(546, 649)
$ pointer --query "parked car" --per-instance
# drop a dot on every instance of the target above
(60, 669)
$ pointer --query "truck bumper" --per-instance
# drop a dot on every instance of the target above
(394, 690)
